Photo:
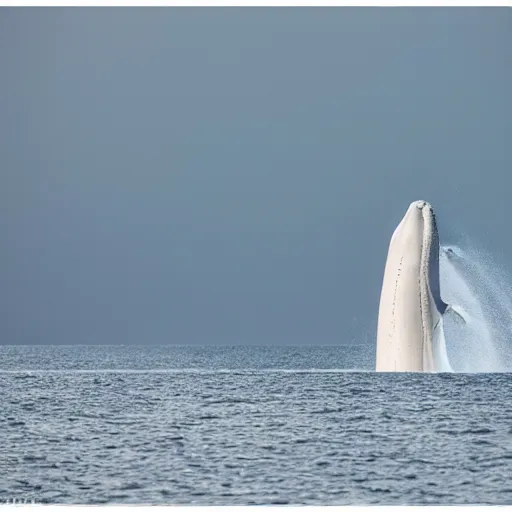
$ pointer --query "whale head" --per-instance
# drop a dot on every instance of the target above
(419, 228)
(419, 216)
(411, 305)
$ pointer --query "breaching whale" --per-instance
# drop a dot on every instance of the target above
(411, 307)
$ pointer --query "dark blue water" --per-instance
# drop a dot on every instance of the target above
(247, 425)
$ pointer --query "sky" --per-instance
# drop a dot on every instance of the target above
(234, 175)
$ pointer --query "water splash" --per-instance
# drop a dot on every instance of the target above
(440, 353)
(479, 329)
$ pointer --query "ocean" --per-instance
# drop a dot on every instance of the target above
(242, 425)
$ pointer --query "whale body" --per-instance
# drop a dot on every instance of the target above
(411, 308)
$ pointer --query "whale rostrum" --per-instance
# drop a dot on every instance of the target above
(411, 307)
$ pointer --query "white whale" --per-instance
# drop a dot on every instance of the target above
(411, 308)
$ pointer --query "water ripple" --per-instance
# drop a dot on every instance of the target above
(254, 437)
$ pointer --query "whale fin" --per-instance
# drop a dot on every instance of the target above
(458, 312)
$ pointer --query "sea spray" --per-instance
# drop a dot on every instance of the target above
(440, 352)
(479, 329)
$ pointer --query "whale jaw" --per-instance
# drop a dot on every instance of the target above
(410, 305)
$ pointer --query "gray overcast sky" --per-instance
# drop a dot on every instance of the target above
(175, 175)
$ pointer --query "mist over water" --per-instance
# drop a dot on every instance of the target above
(478, 290)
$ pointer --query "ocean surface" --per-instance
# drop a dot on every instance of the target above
(247, 425)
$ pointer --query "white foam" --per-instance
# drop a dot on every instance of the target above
(440, 352)
(476, 286)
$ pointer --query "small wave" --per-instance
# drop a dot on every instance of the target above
(201, 371)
